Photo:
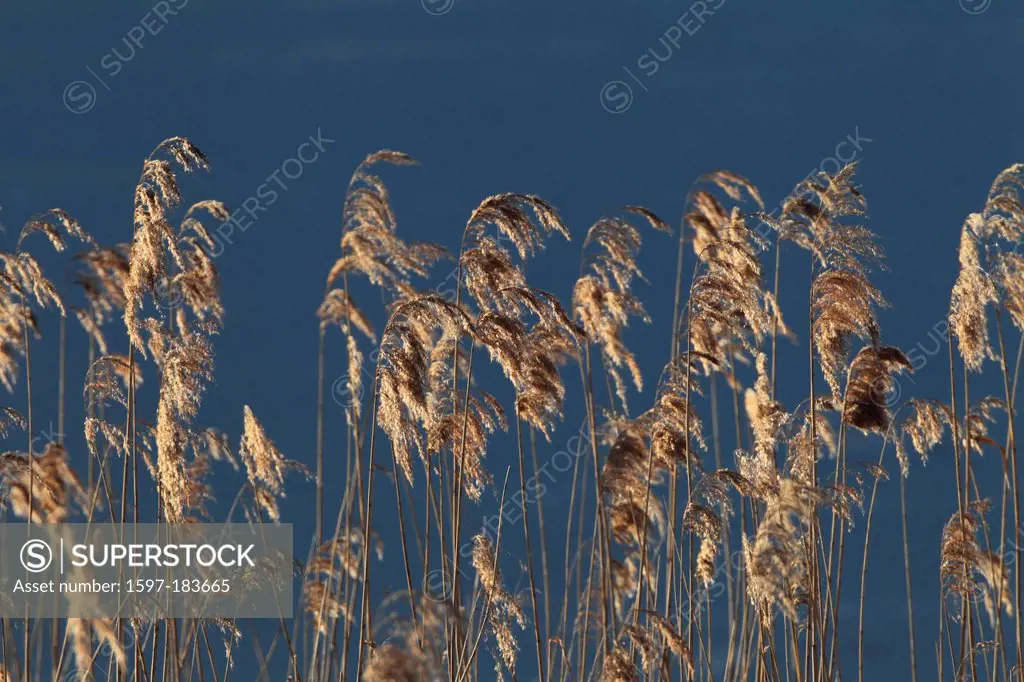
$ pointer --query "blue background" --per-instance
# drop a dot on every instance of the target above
(507, 96)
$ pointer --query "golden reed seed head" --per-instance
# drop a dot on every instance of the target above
(265, 466)
(618, 667)
(154, 241)
(389, 663)
(50, 224)
(403, 372)
(972, 293)
(602, 300)
(870, 384)
(369, 243)
(504, 608)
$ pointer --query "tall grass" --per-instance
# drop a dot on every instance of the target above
(656, 528)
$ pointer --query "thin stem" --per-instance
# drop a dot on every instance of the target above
(529, 551)
(906, 571)
(320, 439)
(546, 584)
(364, 604)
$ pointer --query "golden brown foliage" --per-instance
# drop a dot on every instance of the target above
(602, 299)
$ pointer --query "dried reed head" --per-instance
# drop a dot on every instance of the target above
(672, 640)
(705, 213)
(765, 414)
(676, 431)
(975, 429)
(330, 564)
(802, 451)
(503, 606)
(510, 214)
(628, 472)
(265, 466)
(707, 525)
(42, 488)
(15, 319)
(213, 445)
(700, 517)
(10, 418)
(154, 238)
(602, 299)
(81, 632)
(24, 281)
(812, 218)
(842, 304)
(390, 663)
(996, 575)
(973, 291)
(961, 555)
(619, 667)
(485, 265)
(776, 564)
(197, 285)
(369, 243)
(108, 378)
(624, 579)
(1004, 213)
(102, 278)
(530, 358)
(1009, 279)
(339, 309)
(403, 376)
(50, 223)
(465, 435)
(869, 386)
(727, 309)
(925, 426)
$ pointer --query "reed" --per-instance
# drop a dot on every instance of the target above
(668, 531)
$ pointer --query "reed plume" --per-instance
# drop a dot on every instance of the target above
(485, 265)
(972, 293)
(186, 363)
(102, 278)
(707, 216)
(777, 568)
(265, 466)
(602, 298)
(154, 239)
(503, 607)
(369, 243)
(42, 488)
(870, 383)
(530, 358)
(403, 377)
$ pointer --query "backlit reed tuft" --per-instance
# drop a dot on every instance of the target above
(603, 301)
